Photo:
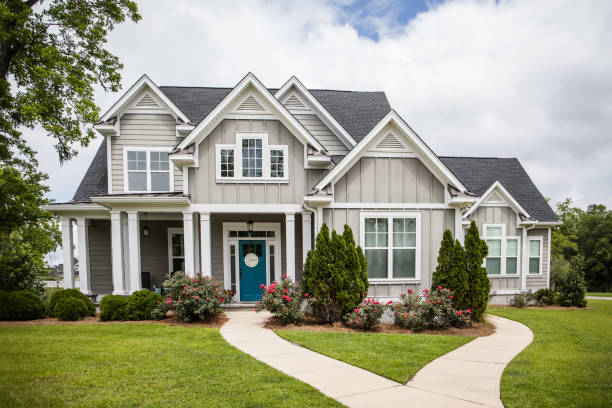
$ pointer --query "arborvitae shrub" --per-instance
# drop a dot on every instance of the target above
(573, 289)
(141, 303)
(113, 307)
(75, 293)
(451, 272)
(479, 285)
(71, 308)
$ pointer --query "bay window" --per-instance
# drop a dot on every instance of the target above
(503, 257)
(147, 169)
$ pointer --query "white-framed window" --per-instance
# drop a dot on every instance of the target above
(535, 255)
(252, 159)
(176, 250)
(147, 169)
(392, 245)
(503, 257)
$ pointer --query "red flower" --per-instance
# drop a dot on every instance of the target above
(409, 290)
(451, 296)
(390, 302)
(262, 286)
(439, 287)
(469, 311)
(285, 276)
(305, 295)
(356, 310)
(196, 297)
(459, 312)
(284, 290)
(425, 290)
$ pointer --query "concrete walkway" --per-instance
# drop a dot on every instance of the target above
(466, 377)
(598, 298)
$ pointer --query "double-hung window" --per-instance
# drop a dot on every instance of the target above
(535, 255)
(147, 170)
(503, 257)
(392, 245)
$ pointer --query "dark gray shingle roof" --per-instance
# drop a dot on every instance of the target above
(479, 173)
(95, 180)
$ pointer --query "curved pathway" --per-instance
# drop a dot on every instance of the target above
(468, 376)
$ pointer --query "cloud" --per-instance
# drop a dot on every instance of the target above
(522, 79)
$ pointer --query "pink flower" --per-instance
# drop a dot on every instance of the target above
(425, 290)
(285, 276)
(390, 302)
(409, 290)
(196, 297)
(185, 287)
(262, 286)
(469, 311)
(356, 310)
(439, 287)
(451, 296)
(284, 290)
(459, 312)
(305, 295)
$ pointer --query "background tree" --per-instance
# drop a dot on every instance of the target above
(595, 246)
(479, 286)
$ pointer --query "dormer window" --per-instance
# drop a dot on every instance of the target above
(252, 159)
(147, 169)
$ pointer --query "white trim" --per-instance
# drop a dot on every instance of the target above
(205, 244)
(171, 231)
(246, 208)
(497, 185)
(507, 291)
(83, 244)
(134, 248)
(118, 277)
(147, 150)
(188, 243)
(391, 118)
(109, 165)
(542, 223)
(504, 249)
(458, 226)
(549, 256)
(529, 239)
(390, 216)
(371, 153)
(306, 234)
(186, 180)
(407, 206)
(290, 245)
(68, 252)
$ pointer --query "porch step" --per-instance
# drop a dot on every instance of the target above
(239, 305)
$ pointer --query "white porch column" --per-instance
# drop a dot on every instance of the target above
(134, 243)
(205, 244)
(188, 243)
(290, 242)
(458, 225)
(524, 261)
(125, 235)
(83, 242)
(117, 253)
(196, 244)
(306, 234)
(68, 253)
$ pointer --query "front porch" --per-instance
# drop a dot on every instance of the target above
(123, 251)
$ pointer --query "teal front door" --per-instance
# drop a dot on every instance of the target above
(252, 268)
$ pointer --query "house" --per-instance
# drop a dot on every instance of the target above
(234, 183)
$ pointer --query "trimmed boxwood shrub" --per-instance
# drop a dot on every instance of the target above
(140, 304)
(113, 307)
(71, 308)
(74, 293)
(21, 305)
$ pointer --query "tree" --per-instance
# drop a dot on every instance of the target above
(573, 288)
(51, 58)
(356, 269)
(594, 239)
(479, 285)
(451, 271)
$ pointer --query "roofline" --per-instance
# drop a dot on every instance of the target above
(497, 185)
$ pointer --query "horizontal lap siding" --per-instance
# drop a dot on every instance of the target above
(101, 274)
(319, 131)
(154, 250)
(540, 281)
(143, 130)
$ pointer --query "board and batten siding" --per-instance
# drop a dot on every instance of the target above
(143, 130)
(536, 282)
(100, 267)
(319, 131)
(203, 185)
(433, 225)
(388, 180)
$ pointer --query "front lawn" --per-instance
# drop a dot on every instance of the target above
(602, 294)
(569, 363)
(395, 356)
(143, 365)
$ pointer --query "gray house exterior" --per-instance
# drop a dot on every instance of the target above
(234, 183)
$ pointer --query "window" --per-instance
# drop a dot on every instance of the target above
(391, 244)
(251, 159)
(233, 265)
(535, 255)
(503, 251)
(272, 262)
(147, 169)
(176, 250)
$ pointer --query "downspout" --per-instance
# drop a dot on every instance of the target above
(315, 220)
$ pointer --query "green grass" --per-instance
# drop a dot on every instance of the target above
(395, 356)
(603, 294)
(569, 363)
(138, 365)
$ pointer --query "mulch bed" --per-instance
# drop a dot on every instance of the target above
(215, 321)
(309, 324)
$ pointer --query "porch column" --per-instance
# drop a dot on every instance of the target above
(68, 252)
(117, 253)
(188, 243)
(134, 243)
(458, 225)
(524, 261)
(290, 242)
(196, 244)
(306, 234)
(125, 238)
(205, 244)
(83, 242)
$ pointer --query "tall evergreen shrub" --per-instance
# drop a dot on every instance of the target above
(451, 271)
(479, 285)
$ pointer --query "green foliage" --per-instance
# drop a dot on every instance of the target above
(21, 305)
(70, 293)
(573, 289)
(114, 307)
(522, 299)
(141, 303)
(451, 271)
(284, 300)
(545, 297)
(70, 308)
(335, 275)
(559, 268)
(368, 315)
(565, 237)
(479, 285)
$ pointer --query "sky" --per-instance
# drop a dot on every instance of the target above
(526, 79)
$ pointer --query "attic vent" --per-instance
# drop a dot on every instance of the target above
(147, 102)
(495, 197)
(250, 104)
(390, 142)
(293, 102)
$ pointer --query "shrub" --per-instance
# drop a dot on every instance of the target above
(191, 299)
(522, 299)
(479, 285)
(141, 303)
(573, 289)
(71, 308)
(75, 293)
(367, 316)
(335, 275)
(21, 305)
(284, 300)
(451, 271)
(113, 307)
(545, 297)
(434, 310)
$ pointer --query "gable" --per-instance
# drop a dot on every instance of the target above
(250, 104)
(497, 195)
(390, 143)
(293, 102)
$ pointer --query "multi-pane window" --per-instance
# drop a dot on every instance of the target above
(233, 265)
(535, 255)
(277, 162)
(160, 171)
(137, 171)
(148, 171)
(272, 263)
(176, 250)
(391, 246)
(251, 158)
(503, 257)
(227, 163)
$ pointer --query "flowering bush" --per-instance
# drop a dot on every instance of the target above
(433, 310)
(283, 300)
(367, 315)
(191, 298)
